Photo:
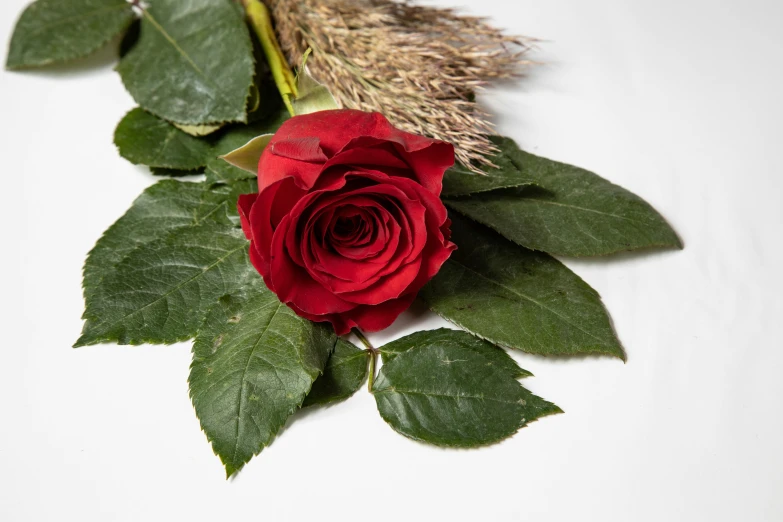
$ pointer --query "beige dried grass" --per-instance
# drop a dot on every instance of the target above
(419, 66)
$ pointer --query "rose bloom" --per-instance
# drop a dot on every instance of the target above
(348, 225)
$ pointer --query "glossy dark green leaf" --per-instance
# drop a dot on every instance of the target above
(449, 394)
(234, 137)
(570, 212)
(460, 181)
(159, 211)
(345, 373)
(53, 31)
(254, 361)
(193, 62)
(161, 290)
(495, 356)
(154, 273)
(144, 139)
(217, 194)
(518, 298)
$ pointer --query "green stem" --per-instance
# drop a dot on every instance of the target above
(371, 376)
(261, 22)
(373, 353)
(363, 339)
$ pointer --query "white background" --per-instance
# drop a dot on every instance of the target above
(679, 102)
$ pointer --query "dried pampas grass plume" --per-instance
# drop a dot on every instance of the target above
(419, 66)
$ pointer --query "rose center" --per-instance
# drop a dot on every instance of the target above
(345, 227)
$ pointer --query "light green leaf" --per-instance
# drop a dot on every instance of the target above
(254, 361)
(495, 356)
(460, 181)
(234, 137)
(311, 96)
(573, 213)
(248, 155)
(193, 63)
(198, 130)
(517, 298)
(345, 373)
(145, 139)
(449, 394)
(53, 31)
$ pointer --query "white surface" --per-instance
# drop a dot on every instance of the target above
(677, 101)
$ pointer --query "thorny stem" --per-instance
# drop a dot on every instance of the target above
(261, 22)
(373, 353)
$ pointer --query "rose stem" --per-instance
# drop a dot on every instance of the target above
(373, 353)
(261, 22)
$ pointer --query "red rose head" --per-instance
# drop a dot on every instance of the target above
(347, 225)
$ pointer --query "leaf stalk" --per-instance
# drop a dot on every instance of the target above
(372, 353)
(261, 22)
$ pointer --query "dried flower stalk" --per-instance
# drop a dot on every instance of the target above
(420, 66)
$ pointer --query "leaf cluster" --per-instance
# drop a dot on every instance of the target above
(175, 266)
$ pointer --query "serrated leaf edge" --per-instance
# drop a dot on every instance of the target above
(125, 339)
(230, 469)
(341, 398)
(620, 353)
(77, 57)
(243, 119)
(552, 410)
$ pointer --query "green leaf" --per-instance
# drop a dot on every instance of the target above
(448, 394)
(573, 213)
(193, 63)
(220, 201)
(254, 361)
(517, 298)
(248, 155)
(161, 290)
(235, 137)
(311, 96)
(198, 130)
(159, 211)
(53, 31)
(460, 181)
(145, 139)
(495, 356)
(155, 271)
(345, 373)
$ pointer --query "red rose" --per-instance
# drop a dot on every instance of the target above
(347, 225)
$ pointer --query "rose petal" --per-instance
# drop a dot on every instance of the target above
(244, 204)
(348, 224)
(377, 317)
(391, 286)
(333, 268)
(337, 131)
(293, 284)
(306, 149)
